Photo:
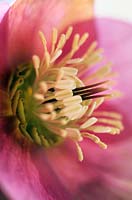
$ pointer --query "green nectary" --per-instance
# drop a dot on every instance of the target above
(23, 104)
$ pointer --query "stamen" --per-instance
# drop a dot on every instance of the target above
(70, 111)
(65, 84)
(83, 39)
(75, 42)
(39, 97)
(79, 152)
(108, 114)
(75, 61)
(89, 122)
(100, 129)
(74, 134)
(61, 42)
(69, 32)
(91, 109)
(60, 95)
(43, 87)
(46, 117)
(70, 71)
(91, 49)
(60, 75)
(44, 42)
(96, 140)
(59, 131)
(54, 39)
(57, 55)
(116, 123)
(72, 100)
(46, 108)
(36, 64)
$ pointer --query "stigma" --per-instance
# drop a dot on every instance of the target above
(56, 98)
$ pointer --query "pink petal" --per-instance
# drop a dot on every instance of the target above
(3, 39)
(117, 46)
(19, 177)
(94, 178)
(27, 17)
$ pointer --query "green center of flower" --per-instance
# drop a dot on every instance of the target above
(52, 103)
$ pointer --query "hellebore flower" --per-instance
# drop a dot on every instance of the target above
(52, 92)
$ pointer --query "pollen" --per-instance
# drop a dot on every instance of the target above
(57, 97)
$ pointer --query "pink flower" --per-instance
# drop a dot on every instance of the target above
(28, 171)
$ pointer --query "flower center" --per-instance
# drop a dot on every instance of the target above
(52, 103)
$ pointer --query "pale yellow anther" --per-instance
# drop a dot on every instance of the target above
(91, 109)
(71, 111)
(74, 134)
(91, 48)
(60, 75)
(69, 32)
(79, 152)
(47, 107)
(63, 133)
(55, 56)
(47, 59)
(82, 112)
(70, 71)
(49, 98)
(75, 61)
(102, 72)
(60, 121)
(100, 129)
(102, 145)
(62, 94)
(61, 42)
(65, 84)
(109, 114)
(39, 97)
(69, 101)
(45, 117)
(53, 115)
(83, 39)
(54, 36)
(99, 101)
(115, 131)
(75, 42)
(44, 42)
(89, 122)
(43, 87)
(116, 94)
(58, 131)
(36, 64)
(112, 122)
(94, 138)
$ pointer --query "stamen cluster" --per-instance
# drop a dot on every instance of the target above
(56, 97)
(65, 104)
